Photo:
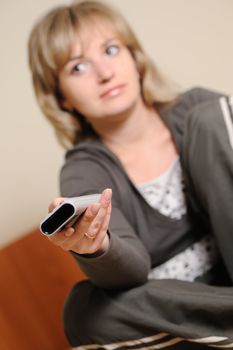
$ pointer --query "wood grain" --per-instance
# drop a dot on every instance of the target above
(35, 278)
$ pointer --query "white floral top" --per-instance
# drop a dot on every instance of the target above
(166, 194)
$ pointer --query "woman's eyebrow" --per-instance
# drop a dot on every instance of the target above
(74, 58)
(109, 41)
(104, 44)
(70, 60)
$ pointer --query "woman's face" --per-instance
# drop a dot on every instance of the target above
(100, 79)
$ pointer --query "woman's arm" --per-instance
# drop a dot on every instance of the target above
(126, 262)
(109, 254)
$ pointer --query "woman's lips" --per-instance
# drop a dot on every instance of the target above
(114, 91)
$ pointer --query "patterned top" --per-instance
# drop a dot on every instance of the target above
(166, 194)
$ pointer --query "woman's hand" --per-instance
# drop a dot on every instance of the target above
(89, 234)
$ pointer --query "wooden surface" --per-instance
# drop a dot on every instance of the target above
(35, 278)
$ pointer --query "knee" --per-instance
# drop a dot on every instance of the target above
(77, 312)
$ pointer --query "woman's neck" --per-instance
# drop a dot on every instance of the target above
(141, 141)
(130, 128)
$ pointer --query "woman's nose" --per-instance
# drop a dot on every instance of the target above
(104, 71)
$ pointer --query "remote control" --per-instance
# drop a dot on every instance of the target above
(67, 213)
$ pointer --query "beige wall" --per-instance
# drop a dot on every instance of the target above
(190, 40)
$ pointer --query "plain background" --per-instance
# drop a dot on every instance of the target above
(190, 40)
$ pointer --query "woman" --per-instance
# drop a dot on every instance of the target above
(156, 248)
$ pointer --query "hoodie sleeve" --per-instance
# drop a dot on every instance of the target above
(126, 264)
(208, 167)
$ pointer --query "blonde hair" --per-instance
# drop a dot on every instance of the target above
(49, 49)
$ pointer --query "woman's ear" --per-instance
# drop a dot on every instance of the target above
(62, 101)
(65, 105)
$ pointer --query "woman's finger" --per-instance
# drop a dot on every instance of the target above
(89, 240)
(104, 227)
(90, 229)
(60, 237)
(89, 215)
(55, 203)
(97, 223)
(73, 236)
(93, 217)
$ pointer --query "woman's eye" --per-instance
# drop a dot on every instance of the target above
(79, 68)
(112, 50)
